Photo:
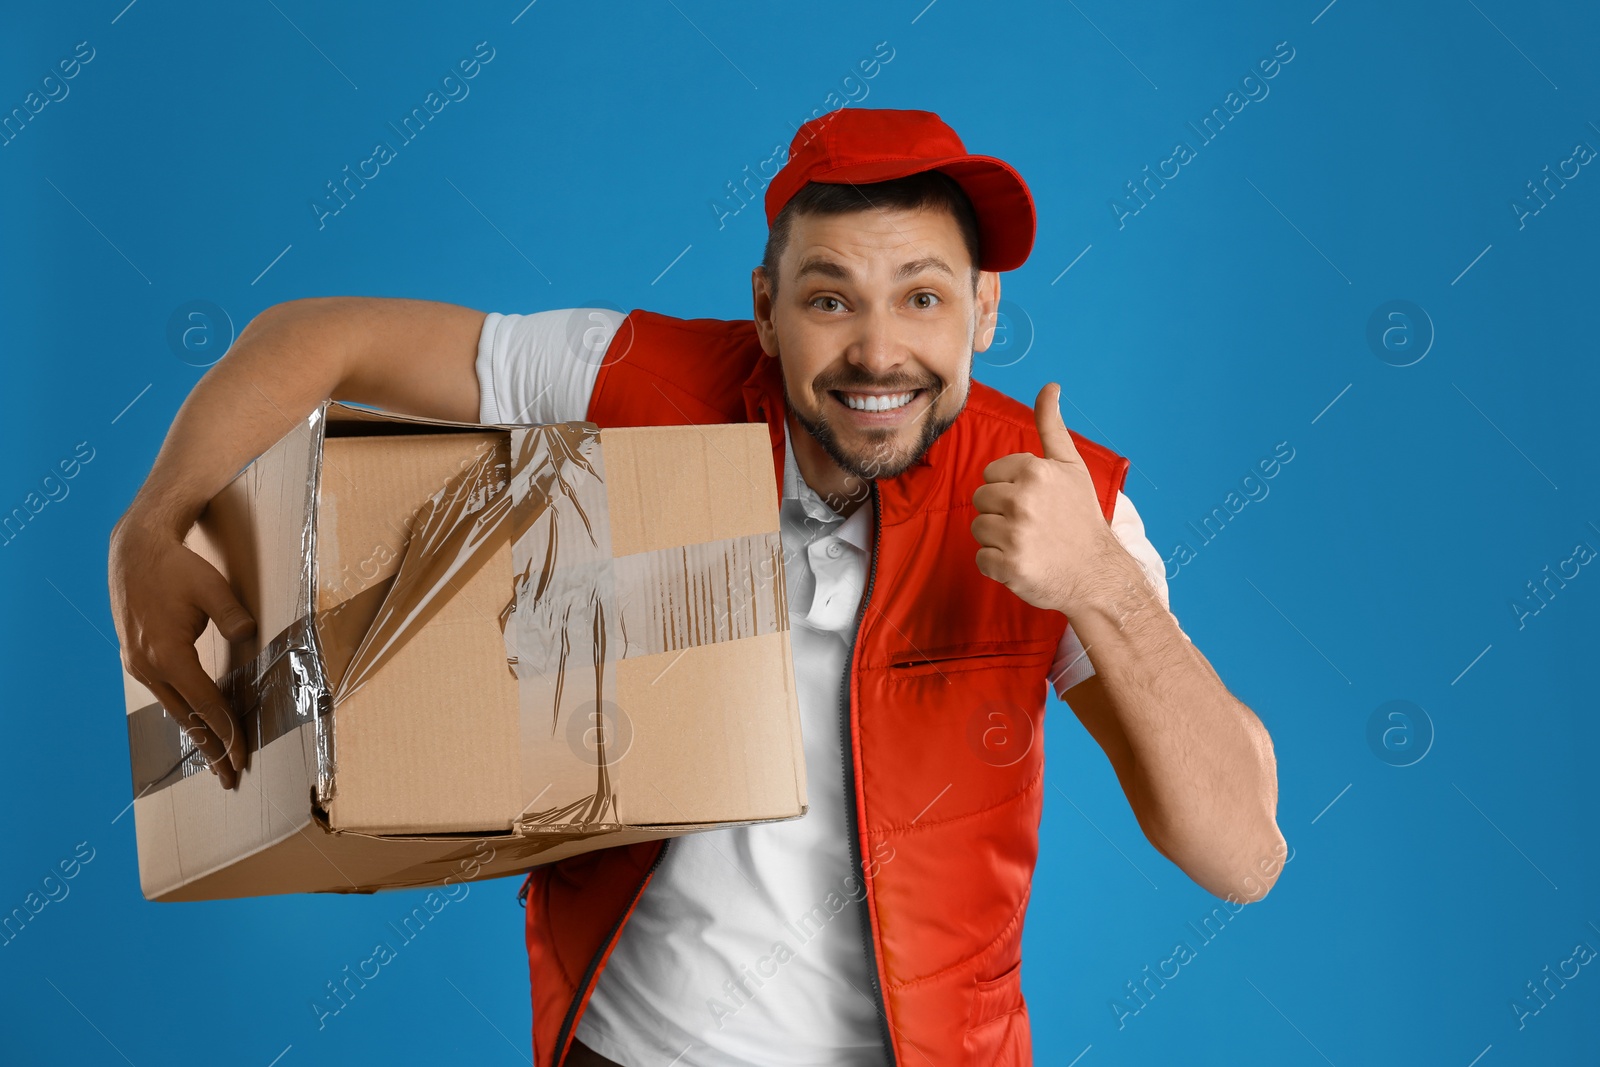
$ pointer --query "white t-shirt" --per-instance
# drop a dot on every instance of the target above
(747, 946)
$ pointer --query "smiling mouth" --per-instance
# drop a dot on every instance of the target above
(875, 402)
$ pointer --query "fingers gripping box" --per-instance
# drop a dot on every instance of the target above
(478, 648)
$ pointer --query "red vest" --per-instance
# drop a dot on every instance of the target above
(941, 714)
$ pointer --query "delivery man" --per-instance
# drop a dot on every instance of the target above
(949, 556)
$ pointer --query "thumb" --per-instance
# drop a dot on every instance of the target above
(217, 600)
(1053, 433)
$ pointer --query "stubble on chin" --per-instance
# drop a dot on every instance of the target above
(880, 459)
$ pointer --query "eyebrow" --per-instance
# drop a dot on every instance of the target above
(827, 268)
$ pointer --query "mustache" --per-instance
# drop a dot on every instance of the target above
(894, 385)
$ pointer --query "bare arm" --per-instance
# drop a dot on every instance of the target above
(412, 356)
(1196, 764)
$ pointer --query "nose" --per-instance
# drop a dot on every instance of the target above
(875, 348)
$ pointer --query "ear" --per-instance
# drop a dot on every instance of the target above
(986, 310)
(761, 302)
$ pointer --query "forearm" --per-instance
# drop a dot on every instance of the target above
(288, 360)
(1202, 762)
(411, 356)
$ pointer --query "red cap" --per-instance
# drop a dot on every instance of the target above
(855, 145)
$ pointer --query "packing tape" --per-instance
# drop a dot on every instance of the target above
(452, 536)
(562, 633)
(280, 690)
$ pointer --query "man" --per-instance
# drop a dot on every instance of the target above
(938, 538)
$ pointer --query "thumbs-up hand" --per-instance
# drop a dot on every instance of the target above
(1039, 523)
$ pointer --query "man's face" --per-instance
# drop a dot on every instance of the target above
(875, 323)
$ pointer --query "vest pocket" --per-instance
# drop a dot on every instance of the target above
(997, 1023)
(996, 996)
(976, 656)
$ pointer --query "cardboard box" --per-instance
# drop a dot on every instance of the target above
(479, 649)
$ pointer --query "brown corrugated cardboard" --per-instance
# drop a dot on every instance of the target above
(405, 721)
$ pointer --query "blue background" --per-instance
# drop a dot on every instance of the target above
(1228, 315)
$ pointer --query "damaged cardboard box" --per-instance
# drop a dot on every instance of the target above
(478, 649)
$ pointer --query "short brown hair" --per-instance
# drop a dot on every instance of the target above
(927, 189)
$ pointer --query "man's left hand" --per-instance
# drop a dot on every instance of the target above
(1039, 520)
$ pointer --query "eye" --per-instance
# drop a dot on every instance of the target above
(934, 297)
(815, 301)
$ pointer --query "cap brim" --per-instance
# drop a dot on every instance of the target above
(1006, 218)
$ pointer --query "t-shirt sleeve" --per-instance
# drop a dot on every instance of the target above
(541, 367)
(1072, 664)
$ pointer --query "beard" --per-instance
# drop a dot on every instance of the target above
(879, 457)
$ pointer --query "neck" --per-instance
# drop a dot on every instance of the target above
(838, 488)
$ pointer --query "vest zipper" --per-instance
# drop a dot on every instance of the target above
(850, 785)
(594, 964)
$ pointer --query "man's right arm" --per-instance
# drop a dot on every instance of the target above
(411, 356)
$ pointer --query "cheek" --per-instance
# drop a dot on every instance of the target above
(956, 384)
(800, 370)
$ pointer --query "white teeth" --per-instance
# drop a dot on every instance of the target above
(877, 403)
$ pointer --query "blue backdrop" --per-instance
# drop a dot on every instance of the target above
(1373, 260)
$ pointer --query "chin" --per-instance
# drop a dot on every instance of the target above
(880, 456)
